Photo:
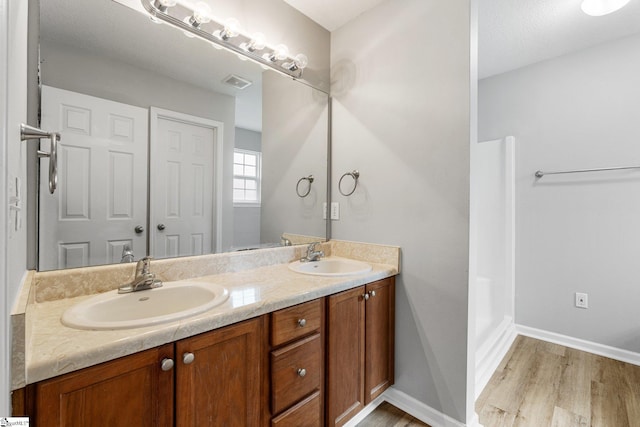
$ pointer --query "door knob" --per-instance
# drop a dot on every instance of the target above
(139, 229)
(161, 227)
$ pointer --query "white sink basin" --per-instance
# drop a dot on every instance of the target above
(332, 266)
(173, 301)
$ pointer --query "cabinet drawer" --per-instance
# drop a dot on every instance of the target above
(295, 372)
(305, 414)
(296, 321)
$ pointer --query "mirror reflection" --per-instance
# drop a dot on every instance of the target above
(169, 147)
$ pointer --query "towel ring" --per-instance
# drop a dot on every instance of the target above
(355, 175)
(304, 178)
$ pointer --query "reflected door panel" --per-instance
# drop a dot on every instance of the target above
(101, 195)
(183, 187)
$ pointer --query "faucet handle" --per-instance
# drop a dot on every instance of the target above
(143, 266)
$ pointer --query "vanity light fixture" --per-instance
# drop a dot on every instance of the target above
(602, 7)
(198, 21)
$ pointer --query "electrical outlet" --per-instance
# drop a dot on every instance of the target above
(582, 300)
(335, 210)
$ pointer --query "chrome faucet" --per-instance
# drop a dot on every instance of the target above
(144, 278)
(312, 254)
(127, 254)
(284, 241)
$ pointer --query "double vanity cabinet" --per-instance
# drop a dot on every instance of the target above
(313, 364)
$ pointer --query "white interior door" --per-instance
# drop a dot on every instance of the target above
(102, 181)
(183, 184)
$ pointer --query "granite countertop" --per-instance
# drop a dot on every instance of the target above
(52, 349)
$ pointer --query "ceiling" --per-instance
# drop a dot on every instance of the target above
(516, 33)
(333, 14)
(512, 33)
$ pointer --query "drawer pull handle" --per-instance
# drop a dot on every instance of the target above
(302, 372)
(188, 358)
(302, 322)
(166, 364)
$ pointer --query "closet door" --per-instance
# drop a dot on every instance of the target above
(102, 181)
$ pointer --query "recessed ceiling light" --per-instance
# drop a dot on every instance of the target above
(602, 7)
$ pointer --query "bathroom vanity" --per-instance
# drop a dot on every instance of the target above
(299, 350)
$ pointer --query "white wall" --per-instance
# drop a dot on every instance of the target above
(401, 116)
(294, 144)
(13, 111)
(580, 232)
(246, 219)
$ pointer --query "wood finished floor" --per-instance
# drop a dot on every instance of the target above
(387, 415)
(539, 384)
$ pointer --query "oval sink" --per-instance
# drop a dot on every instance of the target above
(333, 266)
(173, 301)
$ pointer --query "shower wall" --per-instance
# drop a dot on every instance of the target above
(494, 218)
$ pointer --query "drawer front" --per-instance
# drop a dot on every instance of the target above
(296, 321)
(307, 413)
(296, 371)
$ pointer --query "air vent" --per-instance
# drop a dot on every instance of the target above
(236, 81)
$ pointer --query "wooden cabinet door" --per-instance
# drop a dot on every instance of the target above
(380, 334)
(345, 356)
(132, 390)
(221, 385)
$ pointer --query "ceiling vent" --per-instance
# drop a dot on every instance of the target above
(236, 81)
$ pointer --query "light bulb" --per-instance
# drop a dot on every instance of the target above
(231, 29)
(201, 13)
(602, 7)
(301, 61)
(257, 42)
(187, 20)
(279, 53)
(163, 5)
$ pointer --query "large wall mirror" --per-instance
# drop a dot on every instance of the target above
(170, 147)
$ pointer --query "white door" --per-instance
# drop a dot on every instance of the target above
(102, 181)
(183, 185)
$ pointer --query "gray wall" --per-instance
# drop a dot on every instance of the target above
(13, 111)
(80, 71)
(574, 233)
(401, 116)
(246, 219)
(294, 144)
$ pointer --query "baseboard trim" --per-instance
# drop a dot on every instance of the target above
(491, 353)
(579, 344)
(353, 422)
(421, 411)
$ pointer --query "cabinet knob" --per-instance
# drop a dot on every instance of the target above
(302, 322)
(188, 358)
(372, 293)
(302, 372)
(166, 364)
(365, 296)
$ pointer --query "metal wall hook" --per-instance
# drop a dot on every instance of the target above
(353, 174)
(304, 178)
(29, 133)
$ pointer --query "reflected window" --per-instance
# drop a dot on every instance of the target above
(246, 177)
